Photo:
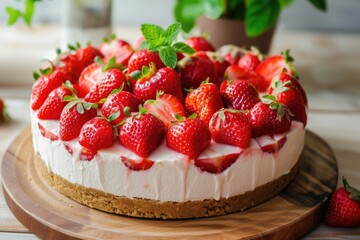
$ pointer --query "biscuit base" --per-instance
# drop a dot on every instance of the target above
(147, 208)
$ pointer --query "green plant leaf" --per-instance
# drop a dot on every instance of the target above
(172, 32)
(235, 9)
(29, 11)
(168, 56)
(152, 33)
(319, 4)
(13, 15)
(285, 3)
(214, 8)
(260, 16)
(187, 11)
(184, 48)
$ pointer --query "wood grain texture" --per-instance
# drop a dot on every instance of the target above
(50, 215)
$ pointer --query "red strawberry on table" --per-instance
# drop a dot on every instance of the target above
(220, 64)
(118, 102)
(239, 95)
(344, 207)
(195, 69)
(45, 84)
(230, 126)
(142, 133)
(274, 65)
(199, 43)
(269, 118)
(87, 54)
(96, 134)
(166, 107)
(231, 53)
(144, 58)
(4, 116)
(73, 117)
(236, 73)
(54, 104)
(117, 48)
(150, 80)
(249, 61)
(71, 64)
(188, 136)
(204, 101)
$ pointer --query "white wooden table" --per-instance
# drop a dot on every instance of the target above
(329, 67)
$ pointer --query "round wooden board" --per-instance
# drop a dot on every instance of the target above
(50, 215)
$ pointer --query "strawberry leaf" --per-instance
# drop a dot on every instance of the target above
(127, 111)
(80, 108)
(36, 75)
(354, 193)
(87, 106)
(168, 56)
(114, 116)
(184, 48)
(136, 74)
(70, 105)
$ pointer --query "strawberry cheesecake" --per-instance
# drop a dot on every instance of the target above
(169, 130)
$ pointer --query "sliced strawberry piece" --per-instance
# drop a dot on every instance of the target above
(87, 154)
(89, 77)
(271, 144)
(236, 73)
(165, 107)
(47, 134)
(140, 164)
(216, 164)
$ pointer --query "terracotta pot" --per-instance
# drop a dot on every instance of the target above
(227, 31)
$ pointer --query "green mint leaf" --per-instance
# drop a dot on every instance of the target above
(172, 32)
(13, 15)
(152, 33)
(187, 11)
(319, 4)
(260, 16)
(214, 8)
(144, 45)
(184, 48)
(168, 56)
(154, 48)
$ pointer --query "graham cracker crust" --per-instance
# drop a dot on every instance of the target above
(147, 208)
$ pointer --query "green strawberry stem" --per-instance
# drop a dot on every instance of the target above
(354, 193)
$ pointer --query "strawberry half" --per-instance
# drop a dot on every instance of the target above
(165, 107)
(344, 207)
(230, 127)
(216, 164)
(189, 137)
(140, 164)
(47, 134)
(142, 133)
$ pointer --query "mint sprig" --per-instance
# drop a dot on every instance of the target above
(162, 41)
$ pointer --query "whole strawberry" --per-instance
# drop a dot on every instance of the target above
(144, 58)
(189, 136)
(73, 117)
(230, 126)
(249, 61)
(204, 101)
(120, 102)
(4, 116)
(142, 133)
(54, 104)
(268, 119)
(236, 73)
(87, 54)
(239, 95)
(344, 207)
(117, 48)
(96, 134)
(71, 64)
(199, 43)
(195, 69)
(45, 84)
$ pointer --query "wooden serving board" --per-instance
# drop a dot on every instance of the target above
(50, 215)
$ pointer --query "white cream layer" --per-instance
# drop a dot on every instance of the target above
(171, 178)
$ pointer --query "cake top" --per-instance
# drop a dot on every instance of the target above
(185, 93)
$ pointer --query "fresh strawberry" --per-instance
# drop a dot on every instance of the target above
(89, 77)
(138, 42)
(117, 48)
(47, 134)
(151, 80)
(269, 118)
(96, 134)
(189, 137)
(110, 80)
(195, 69)
(121, 102)
(54, 104)
(274, 65)
(344, 207)
(73, 117)
(249, 61)
(166, 107)
(71, 65)
(140, 164)
(271, 143)
(216, 164)
(230, 126)
(285, 77)
(142, 133)
(200, 43)
(44, 85)
(231, 53)
(87, 54)
(287, 94)
(239, 95)
(4, 116)
(220, 64)
(144, 58)
(204, 101)
(236, 73)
